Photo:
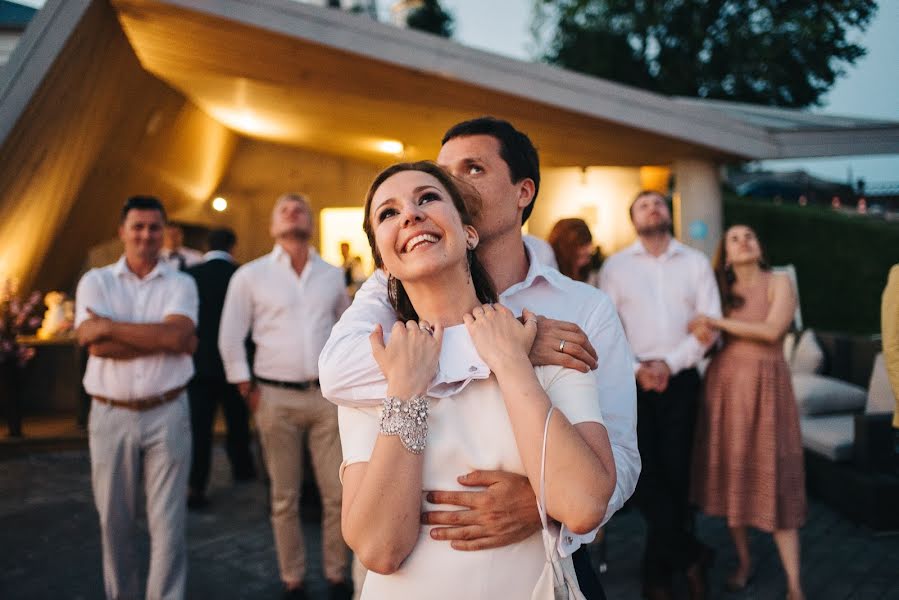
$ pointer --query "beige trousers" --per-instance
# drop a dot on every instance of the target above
(282, 417)
(126, 447)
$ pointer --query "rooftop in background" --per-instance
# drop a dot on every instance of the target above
(14, 16)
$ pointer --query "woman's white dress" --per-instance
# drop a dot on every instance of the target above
(468, 431)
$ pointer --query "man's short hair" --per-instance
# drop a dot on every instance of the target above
(642, 193)
(515, 148)
(143, 203)
(221, 238)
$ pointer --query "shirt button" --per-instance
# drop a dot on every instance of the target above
(472, 369)
(568, 539)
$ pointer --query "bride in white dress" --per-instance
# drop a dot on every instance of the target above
(418, 220)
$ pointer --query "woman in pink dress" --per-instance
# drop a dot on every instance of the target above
(748, 452)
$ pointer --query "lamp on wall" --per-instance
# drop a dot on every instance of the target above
(219, 204)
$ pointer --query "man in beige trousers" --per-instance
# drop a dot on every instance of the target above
(289, 299)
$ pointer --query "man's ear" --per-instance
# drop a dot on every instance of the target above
(526, 189)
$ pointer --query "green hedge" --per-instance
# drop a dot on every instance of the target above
(841, 260)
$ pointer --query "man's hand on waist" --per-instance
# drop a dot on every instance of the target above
(504, 513)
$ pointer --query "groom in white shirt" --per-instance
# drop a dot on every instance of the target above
(502, 164)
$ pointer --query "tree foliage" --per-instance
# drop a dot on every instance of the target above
(774, 52)
(431, 17)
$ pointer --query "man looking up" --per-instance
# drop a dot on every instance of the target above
(136, 318)
(659, 285)
(289, 299)
(500, 508)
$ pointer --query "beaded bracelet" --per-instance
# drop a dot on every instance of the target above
(408, 420)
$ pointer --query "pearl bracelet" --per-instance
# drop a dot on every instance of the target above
(408, 420)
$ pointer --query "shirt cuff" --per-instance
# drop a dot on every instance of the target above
(570, 541)
(237, 371)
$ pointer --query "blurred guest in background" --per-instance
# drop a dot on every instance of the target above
(572, 244)
(748, 454)
(174, 253)
(290, 299)
(889, 328)
(659, 285)
(136, 318)
(209, 388)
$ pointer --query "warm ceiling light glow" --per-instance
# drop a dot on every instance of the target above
(391, 147)
(220, 204)
(246, 121)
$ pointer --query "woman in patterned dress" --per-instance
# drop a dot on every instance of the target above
(748, 452)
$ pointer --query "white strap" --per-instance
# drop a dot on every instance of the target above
(541, 501)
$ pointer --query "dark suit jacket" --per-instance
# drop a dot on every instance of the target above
(212, 279)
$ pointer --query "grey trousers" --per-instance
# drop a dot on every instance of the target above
(127, 446)
(281, 418)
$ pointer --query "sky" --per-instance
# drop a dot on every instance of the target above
(870, 88)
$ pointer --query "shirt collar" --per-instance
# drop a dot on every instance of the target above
(120, 269)
(218, 254)
(279, 255)
(674, 247)
(536, 270)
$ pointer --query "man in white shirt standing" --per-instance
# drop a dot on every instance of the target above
(659, 285)
(136, 318)
(502, 164)
(289, 300)
(174, 252)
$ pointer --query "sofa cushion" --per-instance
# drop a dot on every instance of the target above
(880, 393)
(830, 436)
(819, 394)
(807, 356)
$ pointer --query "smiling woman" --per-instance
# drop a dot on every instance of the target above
(432, 194)
(418, 219)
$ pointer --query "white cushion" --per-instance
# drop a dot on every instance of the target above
(818, 394)
(807, 354)
(880, 393)
(830, 436)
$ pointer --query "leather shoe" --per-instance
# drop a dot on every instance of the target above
(698, 575)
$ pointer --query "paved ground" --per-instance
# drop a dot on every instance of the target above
(50, 544)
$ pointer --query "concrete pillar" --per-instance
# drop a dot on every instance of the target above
(698, 211)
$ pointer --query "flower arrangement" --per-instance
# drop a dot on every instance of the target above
(17, 317)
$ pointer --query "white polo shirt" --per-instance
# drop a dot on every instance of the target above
(290, 316)
(115, 292)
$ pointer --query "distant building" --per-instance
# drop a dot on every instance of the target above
(190, 100)
(14, 18)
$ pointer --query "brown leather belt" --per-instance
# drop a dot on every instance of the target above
(146, 403)
(290, 385)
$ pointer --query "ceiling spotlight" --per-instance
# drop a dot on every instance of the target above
(391, 147)
(219, 204)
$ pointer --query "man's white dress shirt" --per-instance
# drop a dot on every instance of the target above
(191, 257)
(658, 296)
(350, 376)
(115, 292)
(290, 316)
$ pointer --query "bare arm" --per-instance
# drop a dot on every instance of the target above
(382, 497)
(116, 350)
(573, 495)
(174, 335)
(776, 323)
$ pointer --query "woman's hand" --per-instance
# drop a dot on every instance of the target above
(704, 328)
(409, 360)
(500, 339)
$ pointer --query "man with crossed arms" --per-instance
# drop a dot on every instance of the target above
(136, 318)
(502, 164)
